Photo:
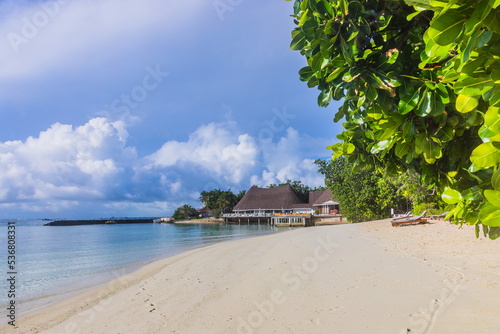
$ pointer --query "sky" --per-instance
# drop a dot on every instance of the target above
(133, 107)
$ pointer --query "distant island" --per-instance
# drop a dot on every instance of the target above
(100, 221)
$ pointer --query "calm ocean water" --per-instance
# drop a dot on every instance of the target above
(55, 259)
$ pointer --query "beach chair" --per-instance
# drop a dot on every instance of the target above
(438, 217)
(410, 220)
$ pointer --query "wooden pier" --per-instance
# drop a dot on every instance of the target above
(277, 219)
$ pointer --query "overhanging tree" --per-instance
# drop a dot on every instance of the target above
(420, 84)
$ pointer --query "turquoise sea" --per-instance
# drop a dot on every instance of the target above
(52, 261)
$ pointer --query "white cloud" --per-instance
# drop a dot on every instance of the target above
(65, 163)
(68, 169)
(214, 148)
(284, 161)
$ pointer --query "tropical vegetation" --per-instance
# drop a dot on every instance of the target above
(420, 85)
(218, 201)
(299, 188)
(185, 211)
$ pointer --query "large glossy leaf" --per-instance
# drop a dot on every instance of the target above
(446, 134)
(298, 41)
(430, 149)
(306, 73)
(451, 196)
(495, 179)
(492, 119)
(446, 28)
(409, 101)
(478, 15)
(493, 196)
(490, 215)
(466, 103)
(324, 98)
(485, 155)
(437, 107)
(402, 149)
(381, 146)
(473, 86)
(487, 135)
(335, 73)
(408, 130)
(492, 21)
(425, 105)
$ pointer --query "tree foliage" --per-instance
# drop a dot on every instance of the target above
(185, 212)
(363, 194)
(219, 201)
(300, 189)
(420, 84)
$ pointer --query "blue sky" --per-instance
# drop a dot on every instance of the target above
(132, 108)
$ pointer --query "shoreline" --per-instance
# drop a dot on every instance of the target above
(199, 221)
(320, 279)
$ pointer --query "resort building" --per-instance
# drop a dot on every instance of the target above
(282, 206)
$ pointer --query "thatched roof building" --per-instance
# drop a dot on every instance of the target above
(284, 199)
(268, 199)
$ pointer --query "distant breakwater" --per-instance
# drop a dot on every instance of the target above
(99, 222)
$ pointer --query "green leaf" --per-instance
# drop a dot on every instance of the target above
(485, 155)
(446, 28)
(478, 15)
(349, 148)
(334, 75)
(390, 129)
(380, 146)
(492, 119)
(466, 103)
(371, 93)
(306, 73)
(495, 179)
(490, 215)
(437, 107)
(355, 9)
(492, 21)
(493, 196)
(427, 146)
(473, 86)
(408, 130)
(402, 149)
(409, 101)
(425, 105)
(451, 196)
(446, 134)
(494, 233)
(483, 38)
(298, 40)
(324, 98)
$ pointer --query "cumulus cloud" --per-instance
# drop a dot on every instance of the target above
(284, 160)
(215, 148)
(65, 163)
(68, 168)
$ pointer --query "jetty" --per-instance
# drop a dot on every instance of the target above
(100, 222)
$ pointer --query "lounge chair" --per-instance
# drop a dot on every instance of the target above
(438, 217)
(410, 220)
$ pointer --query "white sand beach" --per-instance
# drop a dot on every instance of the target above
(359, 278)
